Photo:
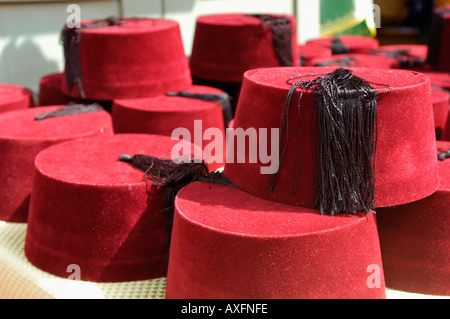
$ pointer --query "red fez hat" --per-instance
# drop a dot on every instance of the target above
(439, 39)
(50, 90)
(439, 79)
(228, 244)
(227, 45)
(124, 58)
(309, 52)
(90, 208)
(23, 134)
(15, 97)
(316, 157)
(347, 43)
(199, 106)
(414, 238)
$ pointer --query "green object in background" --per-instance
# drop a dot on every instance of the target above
(355, 17)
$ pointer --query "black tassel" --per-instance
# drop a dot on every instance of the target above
(346, 117)
(222, 99)
(281, 36)
(435, 38)
(443, 155)
(71, 39)
(71, 109)
(171, 176)
(337, 47)
(302, 60)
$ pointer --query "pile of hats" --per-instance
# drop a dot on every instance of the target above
(257, 168)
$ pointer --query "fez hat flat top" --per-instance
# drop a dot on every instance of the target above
(132, 25)
(244, 214)
(21, 124)
(233, 19)
(13, 97)
(312, 50)
(277, 77)
(11, 93)
(95, 161)
(165, 103)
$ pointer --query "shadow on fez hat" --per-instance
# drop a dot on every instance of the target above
(414, 238)
(15, 97)
(344, 44)
(124, 58)
(50, 90)
(439, 39)
(227, 45)
(309, 52)
(51, 93)
(356, 60)
(409, 56)
(24, 133)
(197, 108)
(316, 237)
(91, 209)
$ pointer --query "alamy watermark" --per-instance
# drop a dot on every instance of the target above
(74, 19)
(238, 141)
(75, 272)
(374, 279)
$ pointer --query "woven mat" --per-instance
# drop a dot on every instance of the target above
(19, 279)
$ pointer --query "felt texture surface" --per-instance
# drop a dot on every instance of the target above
(227, 244)
(141, 58)
(309, 52)
(357, 60)
(439, 79)
(405, 170)
(415, 242)
(354, 43)
(15, 97)
(50, 91)
(22, 138)
(90, 209)
(163, 114)
(227, 45)
(441, 106)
